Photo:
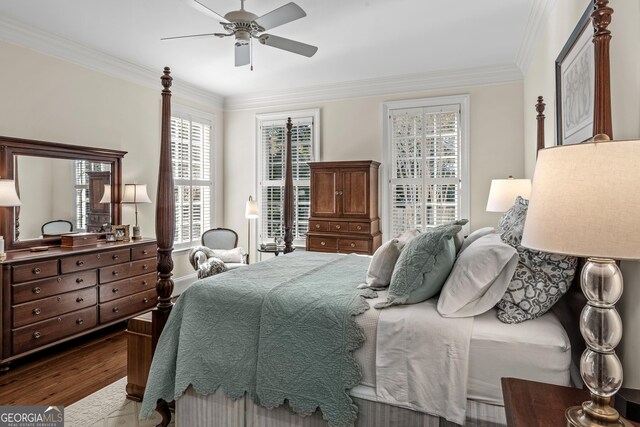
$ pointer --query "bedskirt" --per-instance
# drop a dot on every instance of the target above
(217, 410)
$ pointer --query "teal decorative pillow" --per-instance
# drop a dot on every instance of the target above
(423, 267)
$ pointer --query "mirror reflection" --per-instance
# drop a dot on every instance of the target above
(60, 195)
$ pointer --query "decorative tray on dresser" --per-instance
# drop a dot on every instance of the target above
(53, 296)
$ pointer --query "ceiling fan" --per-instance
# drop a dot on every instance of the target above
(245, 26)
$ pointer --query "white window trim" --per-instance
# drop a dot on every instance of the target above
(465, 196)
(282, 115)
(178, 110)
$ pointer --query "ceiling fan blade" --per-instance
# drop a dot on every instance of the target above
(203, 6)
(288, 45)
(287, 13)
(243, 54)
(192, 35)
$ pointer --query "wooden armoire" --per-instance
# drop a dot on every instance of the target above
(344, 207)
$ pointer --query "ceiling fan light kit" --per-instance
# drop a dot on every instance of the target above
(244, 26)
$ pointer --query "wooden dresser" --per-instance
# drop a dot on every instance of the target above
(344, 207)
(53, 296)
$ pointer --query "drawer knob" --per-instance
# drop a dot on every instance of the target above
(98, 256)
(337, 193)
(115, 309)
(37, 290)
(58, 299)
(80, 321)
(322, 243)
(59, 279)
(36, 311)
(79, 280)
(37, 335)
(115, 273)
(317, 225)
(338, 227)
(115, 290)
(145, 282)
(144, 252)
(145, 267)
(114, 257)
(359, 228)
(37, 270)
(145, 300)
(79, 263)
(353, 245)
(79, 299)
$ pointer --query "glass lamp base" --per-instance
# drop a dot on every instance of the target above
(578, 416)
(137, 235)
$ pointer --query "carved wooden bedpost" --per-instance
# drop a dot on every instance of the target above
(165, 216)
(288, 194)
(540, 119)
(601, 18)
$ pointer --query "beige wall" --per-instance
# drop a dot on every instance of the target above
(351, 129)
(52, 100)
(625, 92)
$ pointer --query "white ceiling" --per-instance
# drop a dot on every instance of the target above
(357, 39)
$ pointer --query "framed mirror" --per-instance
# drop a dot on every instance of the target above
(61, 188)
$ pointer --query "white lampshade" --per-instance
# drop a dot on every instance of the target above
(135, 193)
(251, 210)
(585, 201)
(503, 193)
(8, 193)
(106, 196)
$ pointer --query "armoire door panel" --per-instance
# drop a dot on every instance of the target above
(325, 193)
(355, 200)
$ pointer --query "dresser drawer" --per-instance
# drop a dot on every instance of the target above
(129, 269)
(339, 227)
(121, 288)
(34, 271)
(35, 311)
(144, 251)
(123, 307)
(38, 334)
(319, 226)
(359, 227)
(322, 243)
(353, 245)
(37, 289)
(94, 260)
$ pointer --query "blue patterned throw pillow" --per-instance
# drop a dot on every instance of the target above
(423, 267)
(540, 278)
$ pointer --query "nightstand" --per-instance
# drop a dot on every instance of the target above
(534, 404)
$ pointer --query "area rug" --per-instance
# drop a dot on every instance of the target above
(107, 407)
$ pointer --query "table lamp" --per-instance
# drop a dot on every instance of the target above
(250, 212)
(135, 193)
(8, 198)
(585, 202)
(503, 193)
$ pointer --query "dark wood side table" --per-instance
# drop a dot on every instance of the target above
(534, 404)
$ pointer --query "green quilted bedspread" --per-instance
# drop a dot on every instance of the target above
(275, 330)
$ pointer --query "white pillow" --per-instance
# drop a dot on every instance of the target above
(229, 255)
(382, 264)
(479, 278)
(406, 236)
(475, 236)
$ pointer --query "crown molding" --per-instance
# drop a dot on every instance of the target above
(539, 14)
(379, 86)
(49, 44)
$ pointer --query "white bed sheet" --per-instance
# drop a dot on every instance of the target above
(537, 350)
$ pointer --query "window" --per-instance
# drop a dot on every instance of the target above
(271, 151)
(192, 160)
(425, 153)
(81, 189)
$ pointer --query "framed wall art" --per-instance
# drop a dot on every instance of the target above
(575, 84)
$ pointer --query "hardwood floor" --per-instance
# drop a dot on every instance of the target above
(69, 372)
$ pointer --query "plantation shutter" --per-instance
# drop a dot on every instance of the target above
(191, 160)
(272, 151)
(425, 179)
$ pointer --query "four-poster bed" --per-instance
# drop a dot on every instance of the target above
(567, 310)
